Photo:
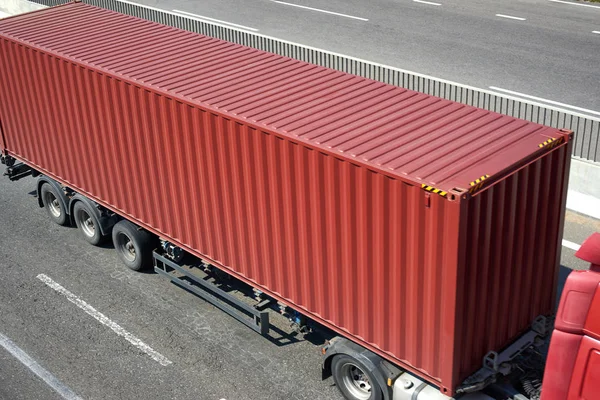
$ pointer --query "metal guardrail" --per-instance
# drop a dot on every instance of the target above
(587, 128)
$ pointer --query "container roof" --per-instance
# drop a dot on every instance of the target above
(411, 135)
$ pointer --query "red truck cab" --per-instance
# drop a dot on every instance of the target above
(573, 365)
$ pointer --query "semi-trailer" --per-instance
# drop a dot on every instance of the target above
(424, 232)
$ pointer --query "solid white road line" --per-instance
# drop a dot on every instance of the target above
(570, 245)
(215, 20)
(319, 10)
(103, 319)
(574, 4)
(511, 17)
(544, 100)
(37, 369)
(598, 32)
(427, 2)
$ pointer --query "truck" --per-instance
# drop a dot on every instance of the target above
(425, 233)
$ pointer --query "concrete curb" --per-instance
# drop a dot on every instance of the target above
(583, 204)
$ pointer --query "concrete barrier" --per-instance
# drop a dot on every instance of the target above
(584, 187)
(11, 7)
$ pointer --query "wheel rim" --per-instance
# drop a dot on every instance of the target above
(356, 381)
(86, 223)
(53, 204)
(125, 246)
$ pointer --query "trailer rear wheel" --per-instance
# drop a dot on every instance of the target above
(134, 245)
(54, 207)
(87, 223)
(353, 379)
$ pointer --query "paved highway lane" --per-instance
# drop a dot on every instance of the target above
(211, 355)
(548, 50)
(17, 382)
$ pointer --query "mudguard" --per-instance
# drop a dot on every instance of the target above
(384, 372)
(63, 199)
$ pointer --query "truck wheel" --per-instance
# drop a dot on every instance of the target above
(54, 207)
(133, 245)
(353, 379)
(87, 223)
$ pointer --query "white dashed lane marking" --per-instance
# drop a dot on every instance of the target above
(431, 3)
(319, 10)
(511, 17)
(104, 320)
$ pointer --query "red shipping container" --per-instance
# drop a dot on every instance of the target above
(425, 230)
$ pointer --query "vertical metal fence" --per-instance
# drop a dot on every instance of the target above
(587, 128)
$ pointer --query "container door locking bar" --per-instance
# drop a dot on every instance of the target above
(255, 319)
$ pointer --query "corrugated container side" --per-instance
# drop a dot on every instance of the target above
(510, 269)
(355, 249)
(424, 281)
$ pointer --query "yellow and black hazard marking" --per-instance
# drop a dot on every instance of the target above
(434, 190)
(552, 142)
(477, 184)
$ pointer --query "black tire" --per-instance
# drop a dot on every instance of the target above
(54, 207)
(134, 245)
(88, 225)
(353, 379)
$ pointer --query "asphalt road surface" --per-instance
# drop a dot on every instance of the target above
(212, 355)
(110, 349)
(549, 49)
(208, 354)
(543, 48)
